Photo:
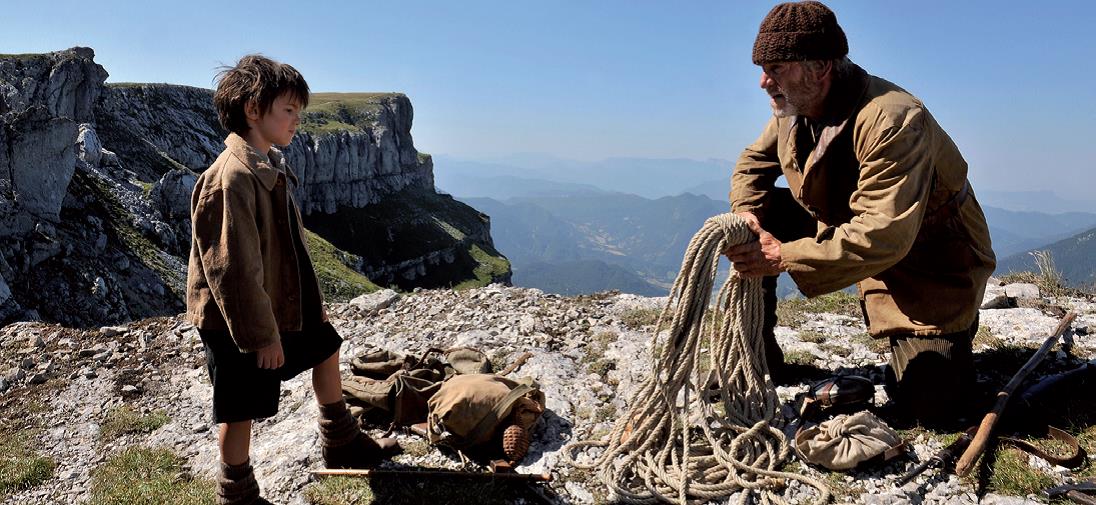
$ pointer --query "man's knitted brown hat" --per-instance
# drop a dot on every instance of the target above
(798, 31)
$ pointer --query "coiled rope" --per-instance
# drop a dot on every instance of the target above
(696, 429)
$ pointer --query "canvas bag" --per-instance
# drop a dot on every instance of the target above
(847, 440)
(468, 410)
(394, 388)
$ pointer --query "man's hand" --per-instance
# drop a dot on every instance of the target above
(271, 356)
(760, 258)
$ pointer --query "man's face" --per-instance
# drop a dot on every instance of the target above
(792, 89)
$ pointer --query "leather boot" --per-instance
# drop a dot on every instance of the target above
(345, 445)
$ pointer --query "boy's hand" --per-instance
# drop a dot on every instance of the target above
(270, 357)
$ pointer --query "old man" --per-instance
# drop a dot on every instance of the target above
(877, 196)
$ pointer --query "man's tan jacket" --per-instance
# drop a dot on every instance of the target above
(896, 214)
(243, 275)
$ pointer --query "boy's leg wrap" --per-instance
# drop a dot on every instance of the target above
(237, 485)
(337, 426)
(344, 445)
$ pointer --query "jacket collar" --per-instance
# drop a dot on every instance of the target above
(265, 167)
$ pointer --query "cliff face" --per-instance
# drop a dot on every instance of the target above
(355, 149)
(95, 182)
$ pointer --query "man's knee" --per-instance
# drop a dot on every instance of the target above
(932, 378)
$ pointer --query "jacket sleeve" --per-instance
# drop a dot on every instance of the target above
(228, 243)
(755, 172)
(896, 173)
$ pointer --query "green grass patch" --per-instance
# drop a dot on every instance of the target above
(1087, 439)
(339, 491)
(123, 419)
(639, 318)
(794, 312)
(489, 268)
(338, 112)
(1013, 476)
(147, 476)
(815, 337)
(338, 281)
(21, 467)
(985, 338)
(320, 126)
(803, 358)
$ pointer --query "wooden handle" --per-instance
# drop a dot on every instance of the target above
(535, 477)
(977, 445)
(985, 429)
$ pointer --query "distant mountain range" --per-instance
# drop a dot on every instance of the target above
(1074, 258)
(585, 227)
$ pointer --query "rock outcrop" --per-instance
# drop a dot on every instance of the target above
(371, 157)
(95, 181)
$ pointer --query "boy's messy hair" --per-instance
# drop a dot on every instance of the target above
(259, 79)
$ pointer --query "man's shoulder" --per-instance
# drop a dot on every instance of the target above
(887, 105)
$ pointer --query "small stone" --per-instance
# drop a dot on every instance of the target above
(112, 331)
(27, 363)
(15, 375)
(39, 378)
(1022, 291)
(129, 388)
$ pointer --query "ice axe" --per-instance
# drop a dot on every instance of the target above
(985, 429)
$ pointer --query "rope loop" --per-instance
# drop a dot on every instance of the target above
(702, 429)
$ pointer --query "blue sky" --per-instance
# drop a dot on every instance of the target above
(1013, 82)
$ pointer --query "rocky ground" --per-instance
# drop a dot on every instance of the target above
(588, 354)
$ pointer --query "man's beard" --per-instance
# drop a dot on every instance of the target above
(798, 96)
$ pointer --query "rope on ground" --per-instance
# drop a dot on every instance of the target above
(696, 430)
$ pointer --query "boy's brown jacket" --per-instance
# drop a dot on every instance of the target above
(243, 275)
(886, 184)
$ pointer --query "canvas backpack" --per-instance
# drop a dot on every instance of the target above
(470, 410)
(393, 388)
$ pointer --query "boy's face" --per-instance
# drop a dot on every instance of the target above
(277, 125)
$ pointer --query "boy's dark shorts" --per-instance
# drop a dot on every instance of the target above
(241, 390)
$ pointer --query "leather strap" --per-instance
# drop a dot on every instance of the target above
(1073, 459)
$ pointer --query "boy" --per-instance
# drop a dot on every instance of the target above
(251, 289)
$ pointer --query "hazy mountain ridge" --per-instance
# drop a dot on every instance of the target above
(1074, 258)
(537, 222)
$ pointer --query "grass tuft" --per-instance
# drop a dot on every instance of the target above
(794, 312)
(124, 419)
(20, 467)
(638, 318)
(1013, 476)
(339, 491)
(147, 476)
(803, 358)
